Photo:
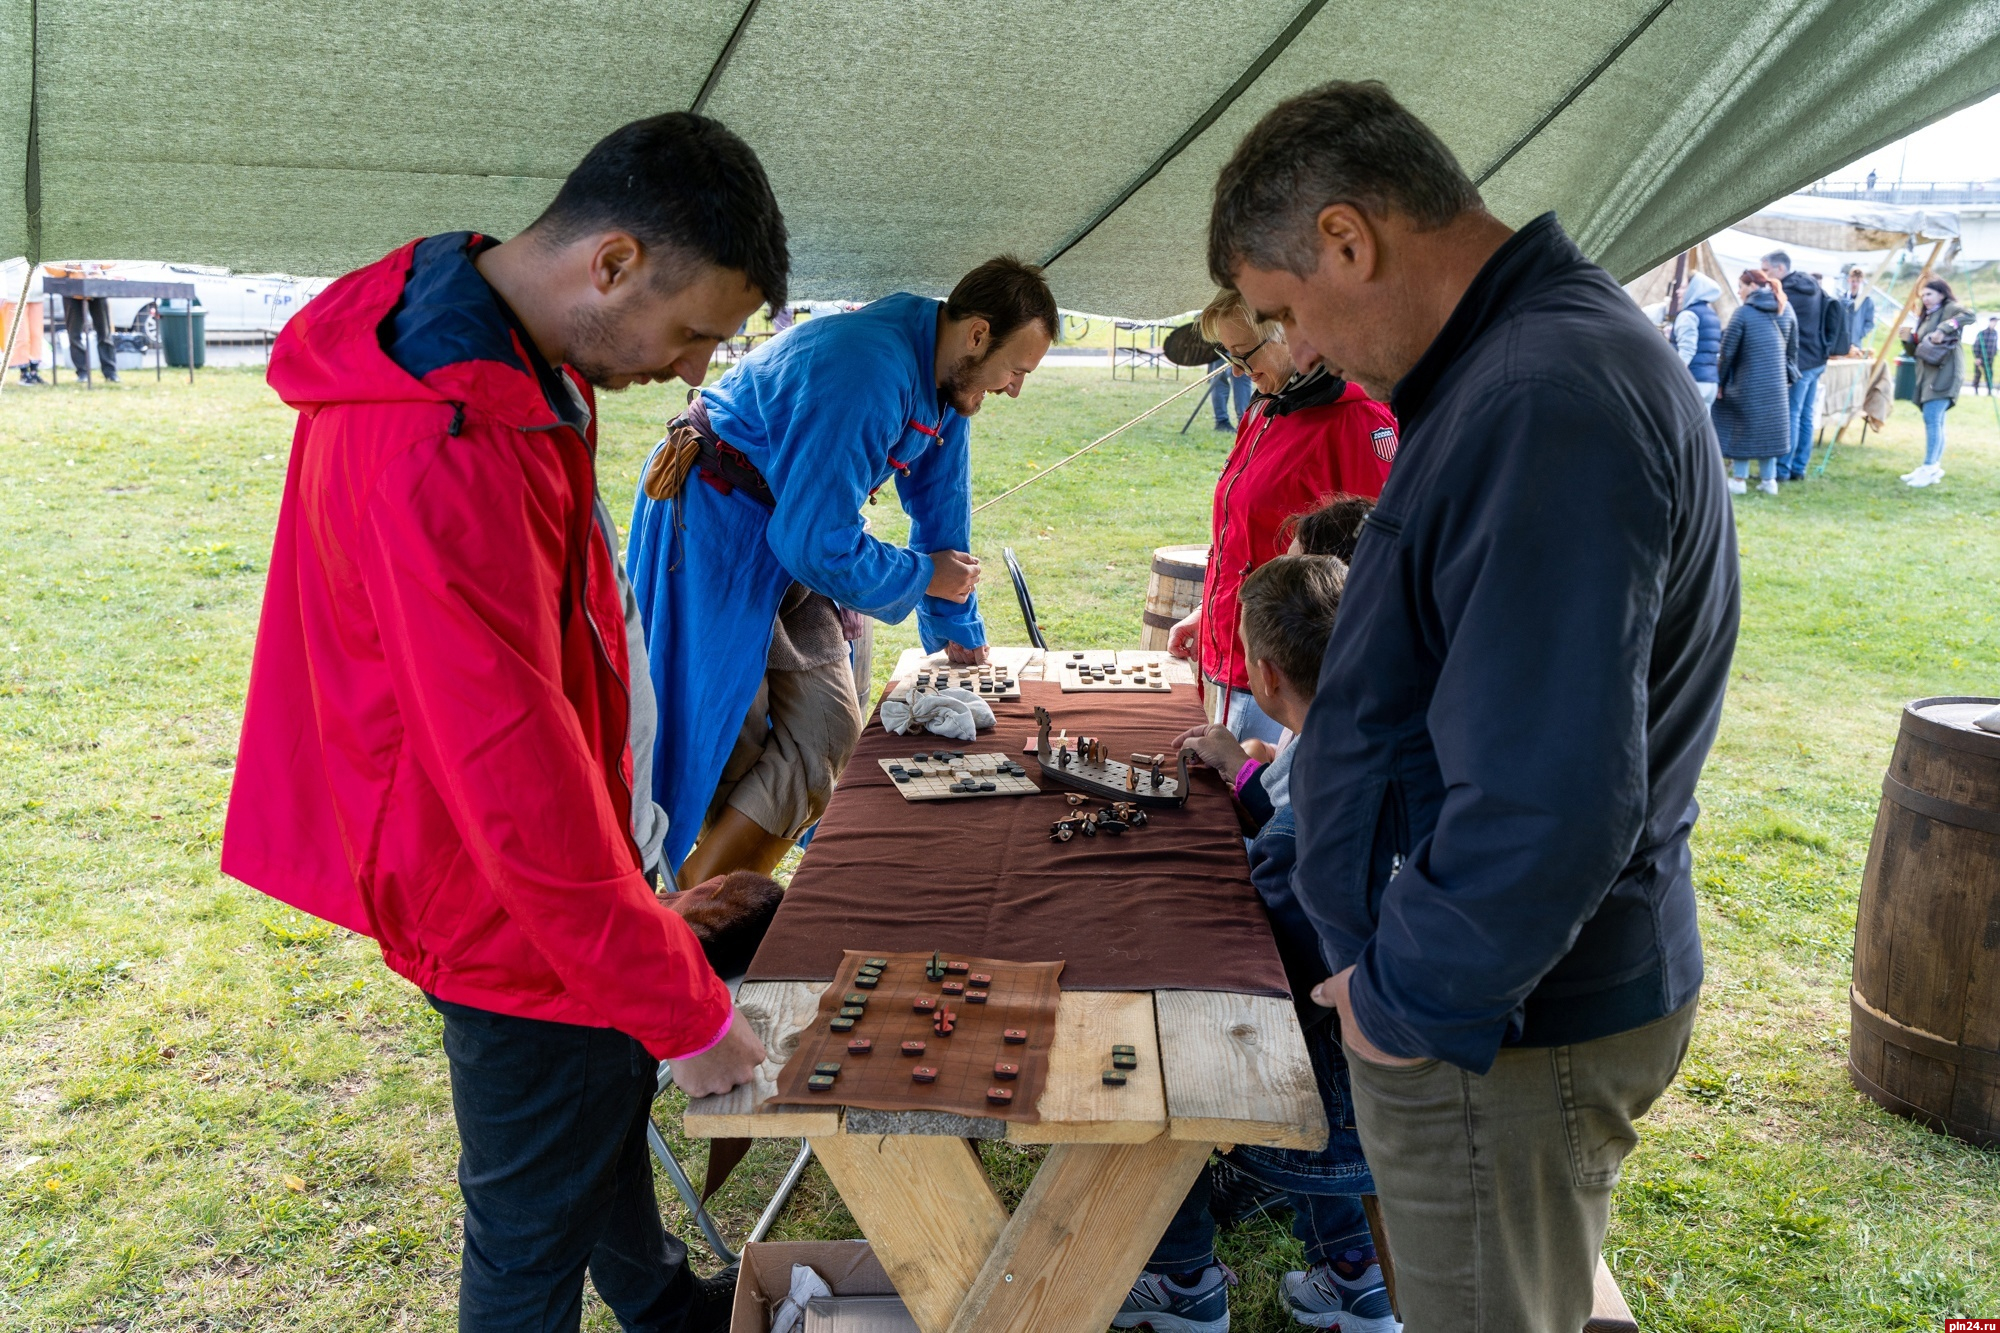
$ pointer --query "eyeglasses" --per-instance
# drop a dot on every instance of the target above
(1240, 363)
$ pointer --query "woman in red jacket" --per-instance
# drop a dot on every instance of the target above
(1304, 439)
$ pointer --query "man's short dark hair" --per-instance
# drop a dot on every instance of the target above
(1334, 528)
(1006, 293)
(1340, 143)
(1288, 607)
(1778, 258)
(689, 190)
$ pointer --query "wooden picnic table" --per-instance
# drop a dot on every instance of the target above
(1215, 1068)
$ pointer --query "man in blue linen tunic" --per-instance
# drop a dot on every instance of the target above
(817, 421)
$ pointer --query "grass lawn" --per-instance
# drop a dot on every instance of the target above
(216, 1113)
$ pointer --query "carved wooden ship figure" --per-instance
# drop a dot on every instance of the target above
(1088, 768)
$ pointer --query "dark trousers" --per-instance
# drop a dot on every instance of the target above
(554, 1169)
(100, 318)
(1325, 1186)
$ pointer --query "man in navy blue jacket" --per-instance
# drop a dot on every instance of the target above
(1494, 787)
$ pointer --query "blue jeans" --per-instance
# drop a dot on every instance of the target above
(1245, 720)
(1223, 389)
(1325, 1186)
(554, 1169)
(1934, 412)
(1766, 467)
(1805, 397)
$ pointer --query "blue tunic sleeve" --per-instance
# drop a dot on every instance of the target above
(937, 495)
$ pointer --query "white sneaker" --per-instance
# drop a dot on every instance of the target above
(1921, 468)
(1769, 486)
(1927, 476)
(1737, 486)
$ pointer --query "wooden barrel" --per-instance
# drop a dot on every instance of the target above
(1172, 590)
(1925, 1041)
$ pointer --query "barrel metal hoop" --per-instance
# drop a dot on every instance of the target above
(1175, 569)
(1982, 743)
(1939, 809)
(1158, 621)
(1970, 1058)
(1889, 1101)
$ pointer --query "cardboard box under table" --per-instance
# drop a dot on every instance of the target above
(1164, 948)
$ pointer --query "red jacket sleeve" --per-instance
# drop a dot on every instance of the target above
(462, 552)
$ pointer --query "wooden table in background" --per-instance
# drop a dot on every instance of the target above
(1214, 1068)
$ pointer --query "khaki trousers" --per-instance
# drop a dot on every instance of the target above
(798, 735)
(1496, 1188)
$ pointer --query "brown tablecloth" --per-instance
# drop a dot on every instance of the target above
(1166, 907)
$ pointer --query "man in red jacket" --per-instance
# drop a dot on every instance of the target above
(437, 747)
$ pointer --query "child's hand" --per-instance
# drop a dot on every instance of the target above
(1216, 746)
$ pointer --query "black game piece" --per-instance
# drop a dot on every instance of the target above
(820, 1083)
(1112, 826)
(854, 997)
(828, 1067)
(868, 980)
(1122, 1060)
(987, 786)
(1114, 1078)
(853, 1011)
(842, 1025)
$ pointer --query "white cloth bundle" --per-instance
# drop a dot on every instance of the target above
(957, 714)
(806, 1286)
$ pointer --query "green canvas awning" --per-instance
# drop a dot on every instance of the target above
(908, 141)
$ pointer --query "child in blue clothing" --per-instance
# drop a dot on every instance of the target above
(1287, 610)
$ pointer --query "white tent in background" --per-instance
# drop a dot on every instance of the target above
(1837, 225)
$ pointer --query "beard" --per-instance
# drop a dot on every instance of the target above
(593, 345)
(958, 387)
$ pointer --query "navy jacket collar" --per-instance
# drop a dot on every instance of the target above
(1534, 255)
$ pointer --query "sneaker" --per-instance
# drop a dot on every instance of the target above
(1165, 1306)
(1348, 1294)
(714, 1301)
(1921, 468)
(1926, 476)
(1224, 425)
(1236, 1195)
(1768, 486)
(1737, 486)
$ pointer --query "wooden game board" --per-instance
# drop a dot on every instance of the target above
(1020, 996)
(1104, 672)
(935, 779)
(992, 681)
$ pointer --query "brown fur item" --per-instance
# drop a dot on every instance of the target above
(729, 915)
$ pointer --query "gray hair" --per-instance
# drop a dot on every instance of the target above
(1340, 143)
(1779, 259)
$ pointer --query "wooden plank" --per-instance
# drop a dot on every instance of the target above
(1076, 1107)
(927, 1209)
(1237, 1070)
(779, 1011)
(1609, 1313)
(1080, 1237)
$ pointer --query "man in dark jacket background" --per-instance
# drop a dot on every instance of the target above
(1822, 333)
(1494, 787)
(1859, 307)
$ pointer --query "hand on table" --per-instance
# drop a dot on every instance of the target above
(729, 1063)
(953, 575)
(1180, 639)
(959, 655)
(1332, 994)
(1216, 746)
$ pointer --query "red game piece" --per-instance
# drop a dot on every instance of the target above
(953, 988)
(979, 979)
(923, 1004)
(975, 997)
(957, 969)
(860, 1046)
(1000, 1096)
(924, 1074)
(1006, 1069)
(913, 1048)
(1015, 1036)
(944, 1022)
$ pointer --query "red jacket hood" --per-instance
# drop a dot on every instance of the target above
(332, 352)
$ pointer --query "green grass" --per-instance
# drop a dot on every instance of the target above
(216, 1113)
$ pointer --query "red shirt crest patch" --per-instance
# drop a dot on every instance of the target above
(1384, 440)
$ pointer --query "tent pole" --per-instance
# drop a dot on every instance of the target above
(14, 329)
(1882, 354)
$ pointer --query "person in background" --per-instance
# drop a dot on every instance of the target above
(98, 309)
(1985, 347)
(1822, 332)
(1332, 529)
(1752, 410)
(1698, 332)
(1234, 385)
(1494, 787)
(447, 699)
(1859, 307)
(1935, 343)
(1307, 435)
(1288, 607)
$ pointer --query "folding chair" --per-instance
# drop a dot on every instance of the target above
(697, 1206)
(1021, 595)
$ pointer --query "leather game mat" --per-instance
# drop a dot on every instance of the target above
(1166, 907)
(1022, 996)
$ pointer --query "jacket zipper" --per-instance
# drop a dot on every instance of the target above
(1229, 493)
